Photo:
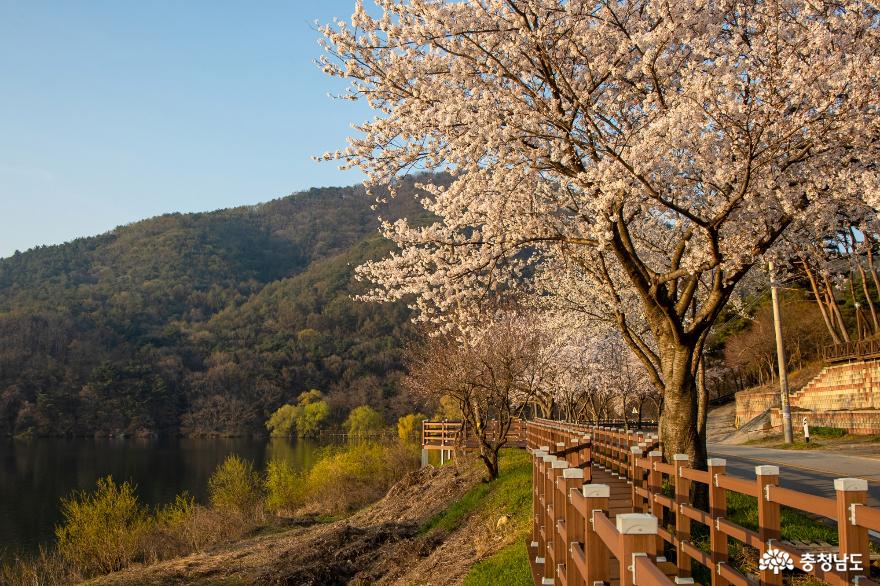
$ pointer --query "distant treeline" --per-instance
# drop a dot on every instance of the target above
(201, 324)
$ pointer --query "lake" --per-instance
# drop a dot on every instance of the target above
(36, 474)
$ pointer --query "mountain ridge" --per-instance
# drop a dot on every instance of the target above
(182, 322)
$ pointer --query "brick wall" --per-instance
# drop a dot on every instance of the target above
(844, 395)
(863, 422)
(750, 404)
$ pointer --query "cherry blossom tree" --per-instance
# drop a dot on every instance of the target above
(492, 374)
(595, 377)
(641, 157)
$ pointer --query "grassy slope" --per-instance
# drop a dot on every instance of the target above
(509, 495)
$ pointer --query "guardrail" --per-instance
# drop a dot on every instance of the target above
(574, 540)
(449, 435)
(861, 350)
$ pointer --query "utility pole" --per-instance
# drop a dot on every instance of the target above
(780, 358)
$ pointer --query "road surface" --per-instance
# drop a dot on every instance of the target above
(806, 471)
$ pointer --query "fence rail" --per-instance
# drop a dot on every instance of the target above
(575, 542)
(451, 435)
(861, 350)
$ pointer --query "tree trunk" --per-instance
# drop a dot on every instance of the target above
(874, 322)
(835, 310)
(871, 266)
(822, 308)
(680, 429)
(489, 456)
(702, 400)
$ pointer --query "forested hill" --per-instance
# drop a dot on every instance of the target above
(200, 323)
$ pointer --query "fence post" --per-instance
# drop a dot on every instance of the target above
(717, 510)
(655, 486)
(575, 456)
(541, 513)
(537, 487)
(853, 540)
(572, 479)
(635, 478)
(554, 551)
(768, 517)
(560, 448)
(638, 533)
(595, 552)
(682, 523)
(587, 457)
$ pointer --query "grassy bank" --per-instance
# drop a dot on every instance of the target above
(503, 505)
(821, 438)
(109, 529)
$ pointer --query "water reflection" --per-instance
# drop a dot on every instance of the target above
(35, 474)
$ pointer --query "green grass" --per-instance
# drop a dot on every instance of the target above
(827, 432)
(510, 567)
(449, 518)
(796, 526)
(510, 494)
(743, 510)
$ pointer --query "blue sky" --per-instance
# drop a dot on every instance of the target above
(116, 110)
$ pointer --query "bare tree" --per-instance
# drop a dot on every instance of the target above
(492, 377)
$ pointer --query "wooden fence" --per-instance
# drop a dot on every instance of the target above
(859, 350)
(450, 435)
(584, 476)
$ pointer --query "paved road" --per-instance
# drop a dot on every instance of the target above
(812, 472)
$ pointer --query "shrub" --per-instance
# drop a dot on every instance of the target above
(364, 420)
(347, 478)
(409, 427)
(235, 487)
(827, 432)
(178, 512)
(284, 486)
(180, 531)
(46, 567)
(176, 531)
(102, 531)
(282, 421)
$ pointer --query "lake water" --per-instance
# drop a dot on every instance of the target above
(35, 475)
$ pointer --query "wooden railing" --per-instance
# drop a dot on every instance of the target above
(440, 435)
(861, 350)
(450, 435)
(573, 538)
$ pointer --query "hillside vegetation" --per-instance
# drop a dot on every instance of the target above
(429, 518)
(201, 323)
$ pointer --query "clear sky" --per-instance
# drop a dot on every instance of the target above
(112, 111)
